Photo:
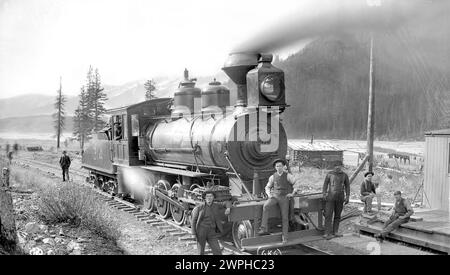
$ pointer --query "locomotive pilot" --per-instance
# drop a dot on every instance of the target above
(207, 224)
(278, 188)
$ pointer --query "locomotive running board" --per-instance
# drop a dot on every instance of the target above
(275, 241)
(174, 171)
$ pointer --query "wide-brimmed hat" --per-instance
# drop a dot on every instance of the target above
(279, 160)
(208, 192)
(367, 173)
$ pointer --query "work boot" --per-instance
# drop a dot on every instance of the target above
(262, 232)
(378, 237)
(338, 235)
(327, 237)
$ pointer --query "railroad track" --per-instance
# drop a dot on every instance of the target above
(183, 233)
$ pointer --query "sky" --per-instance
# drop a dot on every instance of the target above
(128, 40)
(41, 40)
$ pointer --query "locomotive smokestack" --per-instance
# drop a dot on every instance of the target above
(236, 67)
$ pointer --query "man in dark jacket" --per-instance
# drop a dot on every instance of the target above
(368, 192)
(64, 161)
(336, 192)
(401, 213)
(206, 224)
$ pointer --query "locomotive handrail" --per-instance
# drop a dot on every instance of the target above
(237, 175)
(164, 149)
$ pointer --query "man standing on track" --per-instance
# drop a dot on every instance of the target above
(336, 193)
(206, 224)
(64, 161)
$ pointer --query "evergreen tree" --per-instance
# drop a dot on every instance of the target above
(150, 87)
(59, 116)
(97, 99)
(82, 119)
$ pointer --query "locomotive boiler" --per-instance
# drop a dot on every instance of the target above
(164, 153)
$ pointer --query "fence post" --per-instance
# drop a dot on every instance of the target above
(8, 237)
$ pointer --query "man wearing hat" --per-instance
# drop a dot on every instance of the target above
(368, 192)
(278, 188)
(336, 193)
(64, 162)
(401, 213)
(207, 224)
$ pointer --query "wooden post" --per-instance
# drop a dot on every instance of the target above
(58, 135)
(8, 237)
(360, 167)
(371, 109)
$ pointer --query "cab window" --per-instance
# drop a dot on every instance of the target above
(118, 127)
(135, 125)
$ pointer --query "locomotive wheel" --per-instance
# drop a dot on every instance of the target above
(178, 214)
(163, 206)
(149, 202)
(242, 230)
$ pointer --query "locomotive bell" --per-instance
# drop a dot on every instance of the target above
(265, 84)
(237, 67)
(186, 98)
(215, 98)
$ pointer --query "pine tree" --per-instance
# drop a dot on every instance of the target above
(150, 87)
(82, 119)
(59, 116)
(97, 99)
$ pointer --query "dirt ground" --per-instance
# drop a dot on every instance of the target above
(135, 237)
(139, 238)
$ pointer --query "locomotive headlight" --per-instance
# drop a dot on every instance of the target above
(271, 88)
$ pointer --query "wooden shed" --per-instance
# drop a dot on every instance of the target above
(318, 154)
(437, 170)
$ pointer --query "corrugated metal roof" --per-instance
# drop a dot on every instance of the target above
(438, 132)
(315, 146)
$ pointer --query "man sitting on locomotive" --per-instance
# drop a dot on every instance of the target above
(278, 189)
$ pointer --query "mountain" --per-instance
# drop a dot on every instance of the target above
(32, 124)
(32, 104)
(118, 95)
(327, 84)
(32, 112)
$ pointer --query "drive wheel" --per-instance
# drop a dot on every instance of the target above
(163, 206)
(149, 201)
(178, 214)
(242, 230)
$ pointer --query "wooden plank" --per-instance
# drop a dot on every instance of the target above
(413, 237)
(275, 240)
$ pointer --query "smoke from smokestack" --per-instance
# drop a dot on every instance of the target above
(327, 17)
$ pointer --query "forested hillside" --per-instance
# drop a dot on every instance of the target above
(327, 84)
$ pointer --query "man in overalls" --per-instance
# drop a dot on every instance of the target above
(400, 215)
(279, 190)
(336, 193)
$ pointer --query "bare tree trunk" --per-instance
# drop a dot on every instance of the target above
(8, 237)
(59, 114)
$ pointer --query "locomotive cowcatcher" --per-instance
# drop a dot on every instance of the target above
(164, 153)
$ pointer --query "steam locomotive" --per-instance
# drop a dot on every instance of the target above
(164, 153)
